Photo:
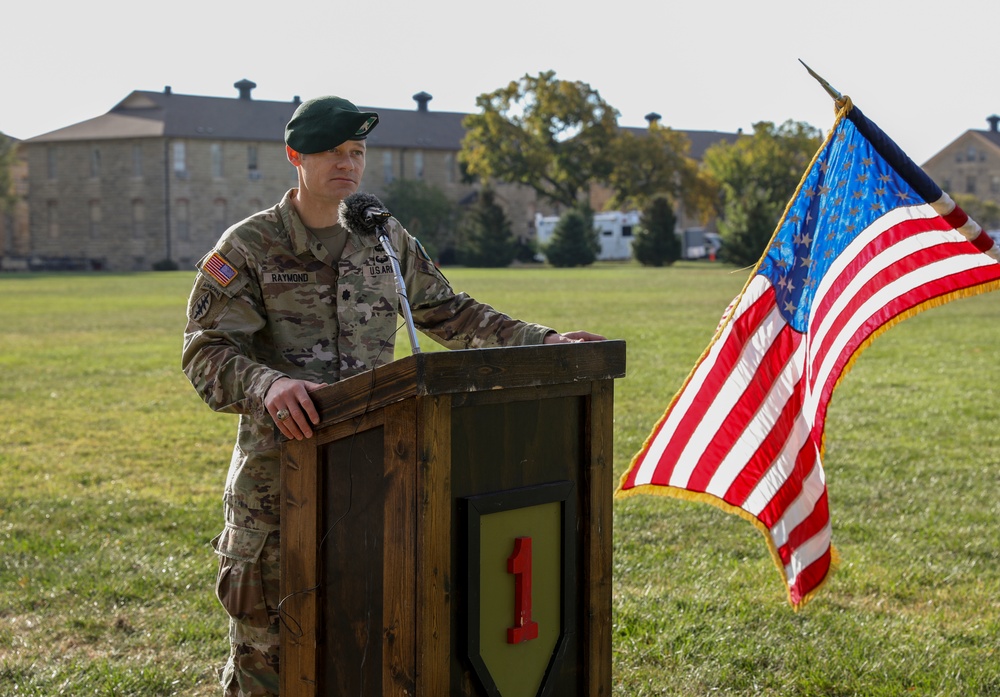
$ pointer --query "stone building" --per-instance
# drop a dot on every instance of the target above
(159, 177)
(970, 164)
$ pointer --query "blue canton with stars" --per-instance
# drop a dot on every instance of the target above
(849, 186)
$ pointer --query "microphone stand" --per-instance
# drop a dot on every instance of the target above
(383, 237)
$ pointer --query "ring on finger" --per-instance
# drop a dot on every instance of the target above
(281, 415)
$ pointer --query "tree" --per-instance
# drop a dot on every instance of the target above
(552, 135)
(425, 212)
(757, 176)
(574, 241)
(486, 240)
(986, 213)
(656, 163)
(656, 242)
(8, 155)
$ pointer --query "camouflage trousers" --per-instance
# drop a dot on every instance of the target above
(247, 587)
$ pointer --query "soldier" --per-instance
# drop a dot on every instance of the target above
(287, 302)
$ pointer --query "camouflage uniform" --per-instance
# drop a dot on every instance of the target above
(271, 301)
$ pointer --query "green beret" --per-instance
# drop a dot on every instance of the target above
(323, 123)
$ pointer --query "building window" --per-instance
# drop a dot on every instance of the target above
(180, 160)
(95, 219)
(95, 162)
(449, 167)
(995, 184)
(970, 185)
(216, 150)
(221, 218)
(181, 216)
(253, 171)
(136, 160)
(52, 218)
(418, 164)
(51, 156)
(387, 176)
(138, 218)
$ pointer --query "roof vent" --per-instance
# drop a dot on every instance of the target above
(993, 120)
(296, 100)
(421, 98)
(167, 90)
(245, 87)
(652, 118)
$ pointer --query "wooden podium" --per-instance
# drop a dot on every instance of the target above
(447, 530)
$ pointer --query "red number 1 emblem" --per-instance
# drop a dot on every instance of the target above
(519, 564)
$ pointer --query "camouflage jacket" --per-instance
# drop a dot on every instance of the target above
(269, 301)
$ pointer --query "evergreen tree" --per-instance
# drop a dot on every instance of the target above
(425, 212)
(574, 241)
(487, 239)
(656, 242)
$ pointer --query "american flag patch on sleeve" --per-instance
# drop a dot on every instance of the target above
(218, 268)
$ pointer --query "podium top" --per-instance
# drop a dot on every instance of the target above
(470, 370)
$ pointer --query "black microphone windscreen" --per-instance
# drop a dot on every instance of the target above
(353, 212)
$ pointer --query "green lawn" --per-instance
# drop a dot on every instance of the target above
(112, 472)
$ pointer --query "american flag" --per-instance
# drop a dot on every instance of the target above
(221, 270)
(867, 240)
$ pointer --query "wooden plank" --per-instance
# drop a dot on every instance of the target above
(352, 554)
(474, 370)
(433, 564)
(399, 614)
(599, 482)
(299, 569)
(520, 394)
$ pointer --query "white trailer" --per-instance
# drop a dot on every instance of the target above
(615, 230)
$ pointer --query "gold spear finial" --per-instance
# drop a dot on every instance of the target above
(837, 96)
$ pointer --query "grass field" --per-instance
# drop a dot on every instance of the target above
(112, 472)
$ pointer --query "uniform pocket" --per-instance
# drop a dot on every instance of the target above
(239, 584)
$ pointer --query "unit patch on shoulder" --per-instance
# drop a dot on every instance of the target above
(423, 252)
(199, 308)
(221, 270)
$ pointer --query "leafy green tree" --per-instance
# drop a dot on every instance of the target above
(986, 213)
(656, 242)
(425, 211)
(551, 135)
(574, 240)
(487, 241)
(8, 155)
(656, 163)
(757, 175)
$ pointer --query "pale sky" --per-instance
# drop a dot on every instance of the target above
(924, 71)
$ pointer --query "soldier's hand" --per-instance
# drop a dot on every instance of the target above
(290, 405)
(572, 337)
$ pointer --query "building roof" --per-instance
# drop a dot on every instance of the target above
(146, 114)
(992, 139)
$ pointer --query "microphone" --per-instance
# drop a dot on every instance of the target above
(362, 214)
